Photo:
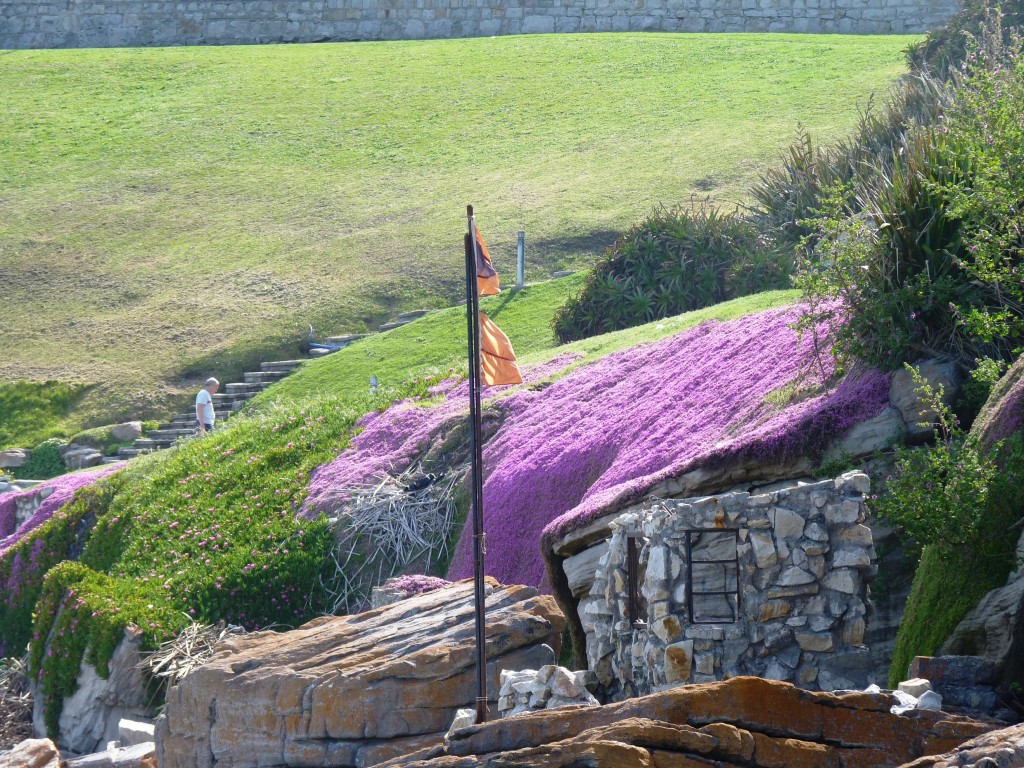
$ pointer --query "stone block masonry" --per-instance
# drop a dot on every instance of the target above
(772, 585)
(129, 23)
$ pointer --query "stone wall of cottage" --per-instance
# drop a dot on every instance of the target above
(106, 23)
(801, 559)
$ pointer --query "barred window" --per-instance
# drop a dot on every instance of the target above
(712, 576)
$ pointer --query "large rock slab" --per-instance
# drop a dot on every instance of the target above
(904, 395)
(31, 753)
(744, 721)
(998, 749)
(994, 630)
(354, 690)
(13, 458)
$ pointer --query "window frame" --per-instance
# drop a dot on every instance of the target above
(735, 561)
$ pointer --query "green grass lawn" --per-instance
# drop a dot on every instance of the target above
(167, 214)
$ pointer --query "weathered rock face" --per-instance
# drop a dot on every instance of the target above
(91, 716)
(994, 629)
(13, 458)
(356, 690)
(740, 722)
(903, 394)
(31, 753)
(772, 585)
(998, 749)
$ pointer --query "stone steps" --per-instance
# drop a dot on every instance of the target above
(345, 340)
(231, 400)
(233, 396)
(403, 319)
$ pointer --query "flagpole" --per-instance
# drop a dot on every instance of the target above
(476, 455)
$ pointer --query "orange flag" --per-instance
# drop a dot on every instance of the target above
(486, 277)
(497, 361)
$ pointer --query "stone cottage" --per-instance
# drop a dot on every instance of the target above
(773, 584)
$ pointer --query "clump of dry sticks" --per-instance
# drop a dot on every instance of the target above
(189, 649)
(384, 529)
(15, 703)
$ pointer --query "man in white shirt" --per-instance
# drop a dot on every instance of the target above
(204, 405)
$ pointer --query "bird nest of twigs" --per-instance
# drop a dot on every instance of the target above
(402, 523)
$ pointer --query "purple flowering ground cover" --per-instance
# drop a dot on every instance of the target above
(391, 440)
(64, 488)
(607, 432)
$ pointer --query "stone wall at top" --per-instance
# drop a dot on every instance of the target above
(112, 23)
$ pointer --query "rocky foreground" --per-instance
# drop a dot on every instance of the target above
(353, 690)
(745, 722)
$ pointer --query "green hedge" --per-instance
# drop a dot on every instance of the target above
(674, 261)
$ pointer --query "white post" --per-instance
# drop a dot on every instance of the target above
(520, 259)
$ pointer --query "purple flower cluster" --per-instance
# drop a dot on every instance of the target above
(604, 435)
(417, 585)
(391, 440)
(64, 488)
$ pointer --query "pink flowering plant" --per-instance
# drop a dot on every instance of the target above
(54, 533)
(415, 584)
(605, 434)
(205, 532)
(61, 491)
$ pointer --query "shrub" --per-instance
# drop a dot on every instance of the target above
(946, 48)
(939, 495)
(45, 461)
(674, 261)
(925, 251)
(963, 503)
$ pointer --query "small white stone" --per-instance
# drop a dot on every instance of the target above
(915, 687)
(930, 700)
(463, 719)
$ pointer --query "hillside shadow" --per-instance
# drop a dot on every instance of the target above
(595, 242)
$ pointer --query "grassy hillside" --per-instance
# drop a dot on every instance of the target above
(437, 342)
(170, 213)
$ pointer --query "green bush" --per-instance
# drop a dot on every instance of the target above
(924, 252)
(674, 261)
(45, 461)
(947, 47)
(962, 503)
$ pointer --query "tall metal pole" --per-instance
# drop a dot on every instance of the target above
(475, 432)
